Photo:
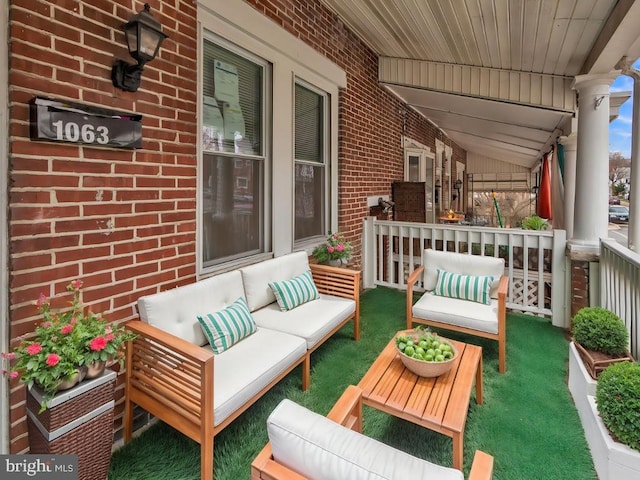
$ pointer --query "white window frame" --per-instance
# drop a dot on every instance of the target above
(426, 157)
(265, 157)
(240, 24)
(312, 241)
(444, 157)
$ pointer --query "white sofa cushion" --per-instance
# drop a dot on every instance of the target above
(458, 312)
(318, 448)
(461, 263)
(311, 320)
(256, 278)
(176, 311)
(254, 362)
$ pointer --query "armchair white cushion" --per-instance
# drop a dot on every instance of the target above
(304, 445)
(454, 311)
(318, 448)
(432, 260)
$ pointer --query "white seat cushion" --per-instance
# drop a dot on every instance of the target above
(461, 263)
(256, 277)
(453, 311)
(311, 320)
(320, 449)
(249, 365)
(176, 311)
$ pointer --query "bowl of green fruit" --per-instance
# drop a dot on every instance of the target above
(425, 353)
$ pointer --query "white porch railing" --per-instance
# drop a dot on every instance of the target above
(535, 260)
(620, 287)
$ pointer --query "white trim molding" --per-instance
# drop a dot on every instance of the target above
(4, 238)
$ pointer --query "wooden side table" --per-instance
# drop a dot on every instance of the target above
(440, 404)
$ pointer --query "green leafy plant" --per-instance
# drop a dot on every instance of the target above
(618, 401)
(534, 222)
(63, 343)
(599, 329)
(335, 247)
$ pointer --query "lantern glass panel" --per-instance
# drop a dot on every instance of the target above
(131, 32)
(149, 43)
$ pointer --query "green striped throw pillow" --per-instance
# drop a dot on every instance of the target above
(228, 326)
(295, 291)
(464, 287)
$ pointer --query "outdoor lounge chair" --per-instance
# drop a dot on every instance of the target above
(467, 305)
(303, 444)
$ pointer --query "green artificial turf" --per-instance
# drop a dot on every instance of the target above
(527, 422)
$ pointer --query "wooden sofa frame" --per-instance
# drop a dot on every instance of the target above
(348, 412)
(500, 337)
(172, 379)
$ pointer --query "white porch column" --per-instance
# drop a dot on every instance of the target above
(591, 216)
(570, 143)
(634, 191)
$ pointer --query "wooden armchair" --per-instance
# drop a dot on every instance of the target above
(466, 316)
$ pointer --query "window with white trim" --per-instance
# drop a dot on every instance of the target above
(281, 193)
(311, 159)
(234, 159)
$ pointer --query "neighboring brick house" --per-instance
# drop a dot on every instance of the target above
(131, 222)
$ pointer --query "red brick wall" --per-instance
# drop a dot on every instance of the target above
(121, 220)
(124, 221)
(579, 285)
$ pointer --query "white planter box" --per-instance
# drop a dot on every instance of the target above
(580, 382)
(612, 460)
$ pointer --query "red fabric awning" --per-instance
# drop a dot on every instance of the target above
(544, 192)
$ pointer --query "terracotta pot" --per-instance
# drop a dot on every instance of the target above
(596, 362)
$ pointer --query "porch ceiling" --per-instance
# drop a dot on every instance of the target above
(495, 75)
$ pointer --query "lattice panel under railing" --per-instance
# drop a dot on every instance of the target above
(534, 260)
(532, 296)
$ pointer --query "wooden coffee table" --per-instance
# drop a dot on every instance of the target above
(440, 404)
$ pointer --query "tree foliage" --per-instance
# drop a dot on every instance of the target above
(618, 168)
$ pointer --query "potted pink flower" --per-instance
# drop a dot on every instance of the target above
(334, 251)
(65, 346)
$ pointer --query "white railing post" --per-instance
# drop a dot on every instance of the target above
(368, 253)
(560, 302)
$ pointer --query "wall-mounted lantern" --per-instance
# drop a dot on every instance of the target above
(144, 37)
(457, 185)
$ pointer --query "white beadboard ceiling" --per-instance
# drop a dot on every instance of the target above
(495, 75)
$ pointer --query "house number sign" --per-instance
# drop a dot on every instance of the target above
(62, 121)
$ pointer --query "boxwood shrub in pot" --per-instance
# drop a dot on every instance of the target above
(601, 330)
(618, 401)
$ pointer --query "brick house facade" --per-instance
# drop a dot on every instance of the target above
(125, 221)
